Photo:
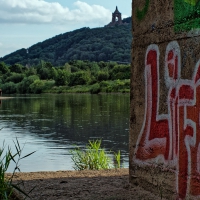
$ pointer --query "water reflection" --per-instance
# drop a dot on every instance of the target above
(52, 124)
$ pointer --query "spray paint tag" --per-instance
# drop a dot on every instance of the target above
(186, 15)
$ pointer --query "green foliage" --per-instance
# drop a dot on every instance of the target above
(95, 89)
(48, 84)
(31, 71)
(15, 77)
(93, 77)
(62, 77)
(118, 159)
(9, 88)
(23, 86)
(93, 158)
(79, 78)
(102, 76)
(186, 15)
(120, 72)
(37, 86)
(17, 68)
(4, 68)
(6, 183)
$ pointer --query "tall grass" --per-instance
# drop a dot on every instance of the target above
(6, 183)
(93, 157)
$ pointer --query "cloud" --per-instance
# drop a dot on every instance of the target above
(42, 12)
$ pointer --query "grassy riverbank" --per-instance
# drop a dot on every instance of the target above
(121, 86)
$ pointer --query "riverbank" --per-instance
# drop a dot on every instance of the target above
(1, 98)
(84, 185)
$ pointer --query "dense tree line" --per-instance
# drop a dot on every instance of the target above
(44, 77)
(97, 44)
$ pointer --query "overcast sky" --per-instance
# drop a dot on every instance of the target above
(26, 22)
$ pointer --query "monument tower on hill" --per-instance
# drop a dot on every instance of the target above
(116, 18)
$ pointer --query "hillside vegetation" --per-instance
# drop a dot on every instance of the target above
(97, 44)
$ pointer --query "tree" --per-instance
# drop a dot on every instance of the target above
(15, 77)
(24, 86)
(4, 68)
(37, 86)
(9, 88)
(102, 76)
(79, 78)
(18, 68)
(62, 77)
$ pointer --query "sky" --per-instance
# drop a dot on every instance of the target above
(27, 22)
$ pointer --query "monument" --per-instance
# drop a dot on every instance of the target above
(116, 18)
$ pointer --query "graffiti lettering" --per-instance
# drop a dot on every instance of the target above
(173, 138)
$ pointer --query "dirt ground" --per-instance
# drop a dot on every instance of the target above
(84, 185)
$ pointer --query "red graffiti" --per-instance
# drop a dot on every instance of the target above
(174, 136)
(154, 138)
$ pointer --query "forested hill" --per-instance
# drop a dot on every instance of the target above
(97, 44)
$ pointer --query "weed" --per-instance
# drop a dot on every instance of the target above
(93, 157)
(118, 159)
(6, 184)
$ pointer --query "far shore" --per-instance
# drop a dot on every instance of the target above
(6, 98)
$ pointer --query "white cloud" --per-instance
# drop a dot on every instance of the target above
(42, 12)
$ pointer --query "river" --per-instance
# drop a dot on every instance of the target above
(53, 124)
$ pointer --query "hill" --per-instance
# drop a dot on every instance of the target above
(97, 44)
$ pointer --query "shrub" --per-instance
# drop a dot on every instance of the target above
(15, 77)
(95, 89)
(62, 78)
(24, 86)
(9, 88)
(37, 86)
(120, 72)
(102, 76)
(79, 78)
(93, 157)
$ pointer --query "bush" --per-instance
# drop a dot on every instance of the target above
(93, 157)
(62, 78)
(49, 84)
(15, 77)
(102, 76)
(24, 86)
(9, 88)
(79, 78)
(37, 86)
(120, 72)
(95, 89)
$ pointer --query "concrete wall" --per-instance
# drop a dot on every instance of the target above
(165, 97)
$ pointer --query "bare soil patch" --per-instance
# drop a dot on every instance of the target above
(84, 185)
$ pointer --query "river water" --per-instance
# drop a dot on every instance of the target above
(53, 124)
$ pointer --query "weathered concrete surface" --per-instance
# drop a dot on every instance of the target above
(165, 98)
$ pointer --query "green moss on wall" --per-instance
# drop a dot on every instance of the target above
(140, 14)
(186, 15)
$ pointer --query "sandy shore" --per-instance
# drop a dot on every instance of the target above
(84, 185)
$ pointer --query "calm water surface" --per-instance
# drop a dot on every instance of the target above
(51, 124)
